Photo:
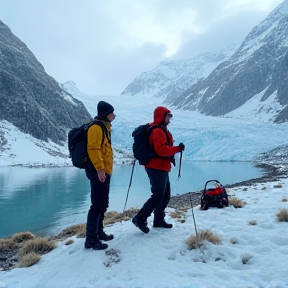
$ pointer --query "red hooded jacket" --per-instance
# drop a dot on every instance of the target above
(158, 141)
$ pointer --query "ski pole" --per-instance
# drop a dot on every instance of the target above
(129, 185)
(180, 163)
(191, 203)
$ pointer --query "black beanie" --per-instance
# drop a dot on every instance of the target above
(104, 108)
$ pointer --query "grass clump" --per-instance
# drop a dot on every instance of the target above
(7, 244)
(234, 240)
(282, 215)
(112, 217)
(29, 259)
(252, 222)
(196, 241)
(79, 230)
(245, 258)
(39, 246)
(237, 203)
(176, 214)
(22, 236)
(69, 242)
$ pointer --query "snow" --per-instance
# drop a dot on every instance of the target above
(18, 143)
(254, 107)
(162, 259)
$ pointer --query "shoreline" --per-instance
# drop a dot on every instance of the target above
(193, 198)
(9, 259)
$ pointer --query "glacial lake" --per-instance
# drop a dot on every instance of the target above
(46, 200)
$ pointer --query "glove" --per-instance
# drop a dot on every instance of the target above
(181, 146)
(172, 160)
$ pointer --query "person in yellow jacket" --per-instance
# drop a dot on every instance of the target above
(99, 173)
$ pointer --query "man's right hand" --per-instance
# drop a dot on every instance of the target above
(181, 146)
(101, 175)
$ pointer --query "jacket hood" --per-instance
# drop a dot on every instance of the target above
(160, 114)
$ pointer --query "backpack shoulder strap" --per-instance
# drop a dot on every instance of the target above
(160, 127)
(104, 130)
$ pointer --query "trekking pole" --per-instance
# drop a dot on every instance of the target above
(134, 161)
(191, 203)
(180, 163)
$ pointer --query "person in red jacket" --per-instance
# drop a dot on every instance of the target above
(158, 168)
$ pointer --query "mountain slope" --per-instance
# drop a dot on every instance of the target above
(260, 65)
(170, 78)
(31, 99)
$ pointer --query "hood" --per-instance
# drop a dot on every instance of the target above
(160, 114)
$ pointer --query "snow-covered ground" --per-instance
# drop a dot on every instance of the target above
(251, 256)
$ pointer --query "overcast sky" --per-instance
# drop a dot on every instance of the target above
(102, 45)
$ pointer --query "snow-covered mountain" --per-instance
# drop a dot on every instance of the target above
(206, 138)
(257, 72)
(171, 78)
(30, 99)
(247, 82)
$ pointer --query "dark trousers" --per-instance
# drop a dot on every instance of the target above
(161, 194)
(99, 204)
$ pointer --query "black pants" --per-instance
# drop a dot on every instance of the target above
(99, 204)
(161, 194)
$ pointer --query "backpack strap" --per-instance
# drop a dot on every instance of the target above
(103, 128)
(167, 138)
(162, 128)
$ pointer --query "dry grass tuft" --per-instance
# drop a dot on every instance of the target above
(252, 222)
(79, 230)
(196, 241)
(176, 214)
(284, 200)
(234, 240)
(38, 245)
(282, 215)
(112, 217)
(69, 242)
(29, 259)
(7, 244)
(237, 203)
(22, 236)
(245, 258)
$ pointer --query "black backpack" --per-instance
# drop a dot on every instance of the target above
(215, 196)
(141, 145)
(77, 144)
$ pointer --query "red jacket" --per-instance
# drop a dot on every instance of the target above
(158, 140)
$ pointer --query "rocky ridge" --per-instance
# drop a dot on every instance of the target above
(31, 99)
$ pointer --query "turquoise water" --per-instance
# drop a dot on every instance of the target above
(46, 200)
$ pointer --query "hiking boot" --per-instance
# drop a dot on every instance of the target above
(140, 224)
(95, 245)
(105, 237)
(162, 224)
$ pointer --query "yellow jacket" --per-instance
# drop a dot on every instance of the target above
(101, 156)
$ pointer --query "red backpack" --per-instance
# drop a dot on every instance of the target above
(214, 195)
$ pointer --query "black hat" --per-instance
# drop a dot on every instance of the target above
(104, 108)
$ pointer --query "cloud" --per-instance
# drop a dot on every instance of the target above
(103, 45)
(117, 70)
(233, 23)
